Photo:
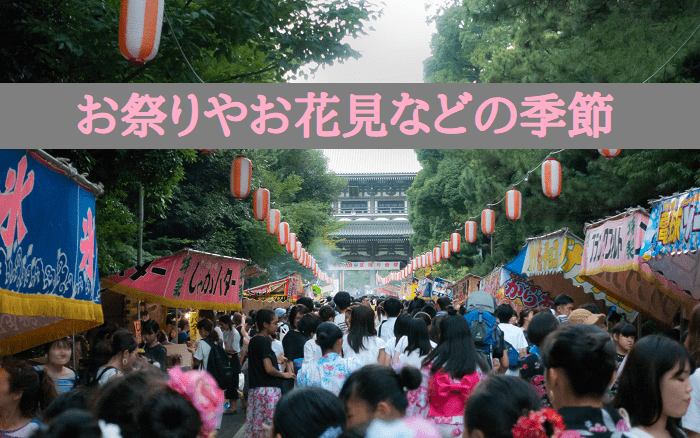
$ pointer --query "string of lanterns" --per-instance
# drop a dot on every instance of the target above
(241, 174)
(551, 187)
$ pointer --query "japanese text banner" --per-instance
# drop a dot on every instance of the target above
(189, 279)
(350, 115)
(48, 254)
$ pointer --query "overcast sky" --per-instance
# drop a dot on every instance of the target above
(393, 53)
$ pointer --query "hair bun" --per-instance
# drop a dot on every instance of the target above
(451, 311)
(410, 378)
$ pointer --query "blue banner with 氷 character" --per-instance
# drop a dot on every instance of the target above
(672, 240)
(48, 250)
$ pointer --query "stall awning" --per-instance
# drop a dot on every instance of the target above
(613, 264)
(187, 279)
(552, 262)
(287, 288)
(48, 252)
(672, 240)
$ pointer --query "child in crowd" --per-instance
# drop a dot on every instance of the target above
(309, 412)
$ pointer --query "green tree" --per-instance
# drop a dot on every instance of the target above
(219, 41)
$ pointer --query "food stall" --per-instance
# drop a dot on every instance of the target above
(613, 264)
(549, 266)
(280, 293)
(48, 253)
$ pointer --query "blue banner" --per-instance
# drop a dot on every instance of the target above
(47, 235)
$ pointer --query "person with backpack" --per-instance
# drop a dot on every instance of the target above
(488, 337)
(513, 337)
(211, 357)
(531, 366)
(121, 348)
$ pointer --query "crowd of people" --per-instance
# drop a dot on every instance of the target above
(367, 368)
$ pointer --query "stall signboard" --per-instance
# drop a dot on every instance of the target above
(510, 288)
(48, 254)
(366, 266)
(462, 288)
(612, 263)
(289, 287)
(672, 240)
(559, 255)
(440, 288)
(188, 279)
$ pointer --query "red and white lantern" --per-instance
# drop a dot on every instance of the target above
(551, 178)
(283, 233)
(291, 243)
(609, 153)
(409, 268)
(445, 250)
(423, 261)
(140, 23)
(470, 231)
(261, 203)
(454, 242)
(429, 258)
(437, 254)
(297, 250)
(514, 204)
(241, 172)
(488, 221)
(273, 221)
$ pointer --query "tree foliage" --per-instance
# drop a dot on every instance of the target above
(566, 41)
(222, 41)
(456, 185)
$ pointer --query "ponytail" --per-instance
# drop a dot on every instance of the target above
(206, 324)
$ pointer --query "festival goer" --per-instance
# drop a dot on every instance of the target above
(443, 303)
(362, 341)
(624, 335)
(23, 392)
(426, 319)
(326, 313)
(452, 370)
(583, 316)
(121, 350)
(511, 334)
(342, 301)
(294, 340)
(654, 387)
(57, 364)
(306, 302)
(377, 392)
(563, 306)
(282, 326)
(579, 365)
(393, 307)
(415, 347)
(152, 348)
(307, 326)
(531, 366)
(232, 346)
(264, 392)
(75, 423)
(330, 371)
(497, 405)
(524, 319)
(400, 331)
(183, 326)
(308, 413)
(691, 420)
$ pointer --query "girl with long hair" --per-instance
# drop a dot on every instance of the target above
(23, 392)
(691, 420)
(654, 387)
(452, 370)
(362, 342)
(265, 385)
(121, 349)
(415, 347)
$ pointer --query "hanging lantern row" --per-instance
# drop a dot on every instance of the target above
(241, 174)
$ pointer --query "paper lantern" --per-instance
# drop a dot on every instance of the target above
(414, 264)
(261, 203)
(273, 221)
(609, 153)
(140, 23)
(488, 221)
(423, 261)
(291, 242)
(241, 172)
(551, 178)
(409, 268)
(454, 242)
(437, 254)
(429, 258)
(445, 250)
(297, 250)
(470, 231)
(283, 233)
(514, 204)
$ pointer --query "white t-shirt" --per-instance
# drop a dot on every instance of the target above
(369, 352)
(312, 351)
(278, 349)
(232, 340)
(691, 419)
(515, 337)
(387, 329)
(340, 322)
(414, 358)
(104, 376)
(202, 354)
(220, 332)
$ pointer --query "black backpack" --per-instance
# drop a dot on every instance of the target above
(90, 377)
(219, 365)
